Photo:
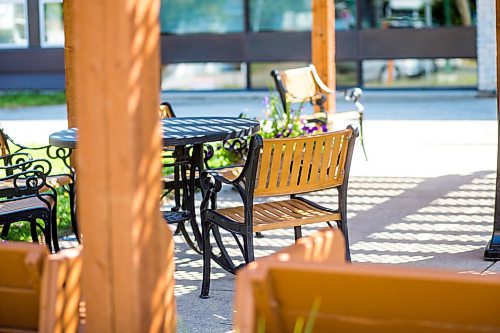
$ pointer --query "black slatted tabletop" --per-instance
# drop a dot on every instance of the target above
(181, 131)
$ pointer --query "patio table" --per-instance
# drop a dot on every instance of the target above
(181, 132)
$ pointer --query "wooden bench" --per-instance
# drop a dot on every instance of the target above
(283, 167)
(291, 290)
(39, 292)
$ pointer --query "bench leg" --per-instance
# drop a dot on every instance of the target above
(298, 232)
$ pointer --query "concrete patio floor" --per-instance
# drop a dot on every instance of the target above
(423, 199)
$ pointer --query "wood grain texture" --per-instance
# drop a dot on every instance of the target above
(318, 163)
(128, 253)
(281, 214)
(69, 67)
(20, 280)
(278, 290)
(323, 44)
(324, 247)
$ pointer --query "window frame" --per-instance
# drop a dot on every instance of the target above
(41, 16)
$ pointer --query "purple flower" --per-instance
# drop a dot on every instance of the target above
(324, 128)
(266, 101)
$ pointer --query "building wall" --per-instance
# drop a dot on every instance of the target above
(486, 46)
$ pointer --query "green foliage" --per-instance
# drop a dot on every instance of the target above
(223, 157)
(20, 99)
(279, 122)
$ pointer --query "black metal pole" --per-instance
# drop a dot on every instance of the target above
(492, 250)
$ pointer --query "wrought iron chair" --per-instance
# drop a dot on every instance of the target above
(299, 85)
(178, 159)
(284, 167)
(26, 196)
(39, 292)
(57, 180)
(177, 181)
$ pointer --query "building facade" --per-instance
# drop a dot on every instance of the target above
(234, 44)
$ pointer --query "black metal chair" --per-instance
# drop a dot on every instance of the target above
(178, 180)
(179, 213)
(177, 174)
(25, 195)
(66, 181)
(277, 167)
(299, 85)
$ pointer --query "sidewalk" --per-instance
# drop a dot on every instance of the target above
(423, 199)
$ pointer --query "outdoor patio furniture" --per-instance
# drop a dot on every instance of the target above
(57, 156)
(300, 85)
(26, 196)
(172, 180)
(182, 132)
(299, 289)
(179, 160)
(39, 292)
(290, 166)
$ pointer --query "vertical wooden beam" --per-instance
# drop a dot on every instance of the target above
(128, 250)
(69, 61)
(323, 44)
(492, 250)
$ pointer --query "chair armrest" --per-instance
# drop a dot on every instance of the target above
(211, 180)
(320, 83)
(218, 176)
(354, 95)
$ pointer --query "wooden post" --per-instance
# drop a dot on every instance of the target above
(128, 250)
(69, 61)
(323, 44)
(492, 250)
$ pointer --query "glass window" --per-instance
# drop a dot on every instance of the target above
(345, 14)
(411, 73)
(51, 23)
(418, 13)
(347, 74)
(280, 15)
(203, 76)
(285, 15)
(201, 16)
(13, 23)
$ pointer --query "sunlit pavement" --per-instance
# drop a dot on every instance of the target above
(423, 199)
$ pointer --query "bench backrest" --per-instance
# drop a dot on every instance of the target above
(166, 111)
(39, 292)
(304, 164)
(326, 246)
(276, 295)
(299, 83)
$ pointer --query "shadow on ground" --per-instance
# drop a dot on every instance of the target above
(440, 222)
